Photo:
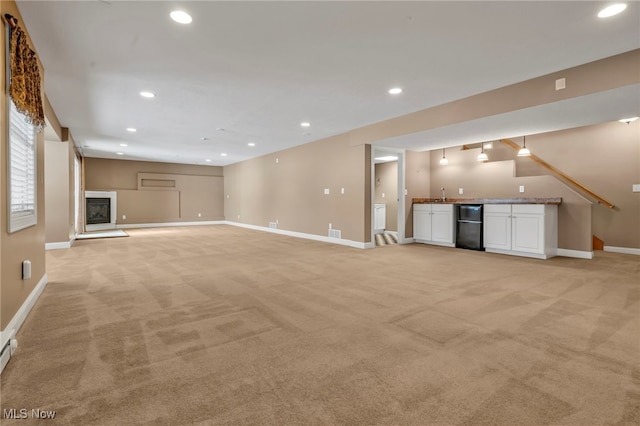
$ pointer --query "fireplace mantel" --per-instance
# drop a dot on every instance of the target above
(112, 195)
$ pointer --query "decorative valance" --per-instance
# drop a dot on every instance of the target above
(24, 74)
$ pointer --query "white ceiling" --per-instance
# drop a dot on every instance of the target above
(258, 69)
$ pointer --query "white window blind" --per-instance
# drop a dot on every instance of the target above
(22, 174)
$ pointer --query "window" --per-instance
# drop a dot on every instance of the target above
(22, 171)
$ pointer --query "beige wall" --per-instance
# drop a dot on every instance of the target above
(151, 192)
(386, 191)
(288, 187)
(417, 179)
(606, 159)
(27, 243)
(58, 194)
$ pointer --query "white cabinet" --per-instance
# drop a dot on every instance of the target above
(497, 226)
(380, 217)
(521, 229)
(434, 224)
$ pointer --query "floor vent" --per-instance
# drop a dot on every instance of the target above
(335, 233)
(273, 225)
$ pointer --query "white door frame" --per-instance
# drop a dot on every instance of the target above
(376, 151)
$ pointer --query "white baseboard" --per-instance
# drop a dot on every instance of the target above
(60, 245)
(407, 241)
(575, 253)
(16, 322)
(624, 250)
(340, 241)
(165, 224)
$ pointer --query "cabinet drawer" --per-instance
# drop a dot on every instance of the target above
(442, 208)
(528, 208)
(497, 208)
(422, 207)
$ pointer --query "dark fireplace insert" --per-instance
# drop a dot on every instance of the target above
(98, 210)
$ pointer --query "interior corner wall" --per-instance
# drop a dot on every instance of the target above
(28, 243)
(288, 187)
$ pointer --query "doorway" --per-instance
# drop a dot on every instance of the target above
(387, 191)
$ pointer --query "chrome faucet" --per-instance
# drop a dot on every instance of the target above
(444, 198)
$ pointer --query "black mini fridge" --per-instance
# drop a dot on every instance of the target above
(469, 227)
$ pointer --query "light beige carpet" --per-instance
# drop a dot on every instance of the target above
(223, 325)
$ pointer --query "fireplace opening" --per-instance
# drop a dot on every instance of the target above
(98, 210)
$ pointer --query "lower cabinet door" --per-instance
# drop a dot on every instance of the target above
(442, 224)
(497, 230)
(527, 233)
(421, 224)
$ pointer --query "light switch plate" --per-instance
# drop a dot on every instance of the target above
(561, 83)
(521, 188)
(460, 191)
(342, 190)
(636, 187)
(326, 191)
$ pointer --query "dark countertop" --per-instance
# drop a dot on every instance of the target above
(555, 201)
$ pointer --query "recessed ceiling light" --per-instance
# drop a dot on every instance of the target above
(120, 153)
(395, 91)
(181, 17)
(628, 120)
(147, 94)
(208, 160)
(251, 144)
(612, 10)
(131, 129)
(224, 154)
(305, 124)
(123, 144)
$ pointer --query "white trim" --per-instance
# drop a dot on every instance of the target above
(165, 224)
(340, 241)
(575, 253)
(517, 253)
(59, 245)
(624, 250)
(407, 241)
(16, 322)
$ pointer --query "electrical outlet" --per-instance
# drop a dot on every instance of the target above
(383, 195)
(277, 160)
(460, 191)
(227, 196)
(561, 83)
(636, 187)
(406, 192)
(342, 190)
(329, 226)
(521, 189)
(326, 191)
(199, 214)
(124, 217)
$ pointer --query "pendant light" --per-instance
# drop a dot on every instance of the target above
(482, 156)
(524, 151)
(443, 160)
